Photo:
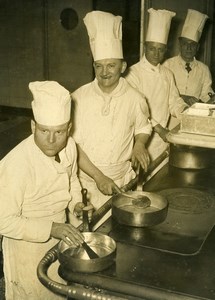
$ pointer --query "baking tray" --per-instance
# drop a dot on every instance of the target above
(199, 119)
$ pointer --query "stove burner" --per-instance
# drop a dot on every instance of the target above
(187, 200)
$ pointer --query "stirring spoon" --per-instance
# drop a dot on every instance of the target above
(91, 253)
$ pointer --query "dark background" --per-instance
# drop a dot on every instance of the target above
(47, 40)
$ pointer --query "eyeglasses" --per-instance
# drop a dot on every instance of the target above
(190, 45)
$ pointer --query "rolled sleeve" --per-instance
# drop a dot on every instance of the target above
(37, 230)
(143, 124)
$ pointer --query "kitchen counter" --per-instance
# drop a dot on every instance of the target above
(172, 260)
(176, 136)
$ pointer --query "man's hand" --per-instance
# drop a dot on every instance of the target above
(106, 185)
(212, 99)
(162, 132)
(140, 155)
(80, 207)
(68, 233)
(190, 100)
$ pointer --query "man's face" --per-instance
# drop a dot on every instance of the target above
(188, 49)
(155, 52)
(50, 139)
(108, 72)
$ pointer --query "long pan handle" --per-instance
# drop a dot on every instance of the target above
(98, 214)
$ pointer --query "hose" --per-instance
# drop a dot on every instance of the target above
(143, 292)
(73, 291)
(80, 292)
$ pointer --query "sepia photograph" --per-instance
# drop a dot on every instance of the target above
(107, 150)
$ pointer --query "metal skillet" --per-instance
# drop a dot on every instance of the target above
(149, 210)
(77, 260)
(98, 251)
(138, 208)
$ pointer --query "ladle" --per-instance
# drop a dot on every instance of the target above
(138, 200)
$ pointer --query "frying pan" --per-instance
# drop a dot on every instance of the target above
(77, 260)
(80, 259)
(149, 212)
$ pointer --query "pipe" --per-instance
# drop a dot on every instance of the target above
(80, 292)
(73, 291)
(127, 288)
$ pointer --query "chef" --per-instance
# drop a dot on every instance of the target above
(111, 118)
(193, 78)
(38, 178)
(156, 82)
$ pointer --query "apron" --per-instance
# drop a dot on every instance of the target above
(21, 281)
(96, 197)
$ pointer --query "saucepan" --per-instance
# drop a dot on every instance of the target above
(76, 259)
(139, 209)
(190, 157)
(97, 252)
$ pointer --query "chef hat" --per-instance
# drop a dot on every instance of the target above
(51, 104)
(105, 34)
(159, 25)
(193, 25)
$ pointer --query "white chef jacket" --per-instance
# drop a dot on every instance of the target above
(105, 126)
(35, 190)
(196, 83)
(158, 86)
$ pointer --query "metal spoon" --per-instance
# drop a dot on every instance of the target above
(91, 253)
(86, 247)
(131, 196)
(139, 201)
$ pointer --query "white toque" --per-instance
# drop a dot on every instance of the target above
(51, 103)
(193, 25)
(159, 25)
(105, 34)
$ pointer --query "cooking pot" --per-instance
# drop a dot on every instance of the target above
(77, 260)
(190, 157)
(134, 212)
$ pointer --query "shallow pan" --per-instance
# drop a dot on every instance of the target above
(77, 260)
(128, 211)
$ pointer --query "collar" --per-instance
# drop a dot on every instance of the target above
(147, 65)
(65, 162)
(117, 92)
(107, 97)
(183, 62)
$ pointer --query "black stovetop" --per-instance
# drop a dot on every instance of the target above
(172, 260)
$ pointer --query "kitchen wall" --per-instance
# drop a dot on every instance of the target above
(35, 46)
(47, 40)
